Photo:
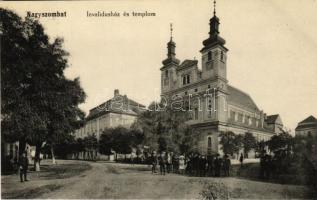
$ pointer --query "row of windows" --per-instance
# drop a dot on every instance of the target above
(239, 117)
(92, 126)
(196, 90)
(209, 56)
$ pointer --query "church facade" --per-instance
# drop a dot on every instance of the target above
(215, 106)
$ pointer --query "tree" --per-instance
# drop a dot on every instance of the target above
(166, 129)
(227, 140)
(120, 139)
(281, 143)
(260, 147)
(65, 147)
(147, 123)
(91, 145)
(237, 144)
(38, 102)
(106, 142)
(188, 143)
(249, 142)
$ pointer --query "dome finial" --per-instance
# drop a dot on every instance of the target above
(214, 7)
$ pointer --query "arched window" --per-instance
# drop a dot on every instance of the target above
(209, 56)
(209, 143)
(221, 55)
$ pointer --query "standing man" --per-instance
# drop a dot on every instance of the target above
(23, 166)
(154, 162)
(226, 165)
(162, 163)
(217, 165)
(210, 163)
(241, 159)
(168, 162)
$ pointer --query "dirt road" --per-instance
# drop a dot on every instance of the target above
(112, 180)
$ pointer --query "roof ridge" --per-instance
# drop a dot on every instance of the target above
(113, 99)
(309, 119)
(239, 90)
(273, 115)
(245, 94)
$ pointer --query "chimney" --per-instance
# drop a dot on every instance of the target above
(116, 92)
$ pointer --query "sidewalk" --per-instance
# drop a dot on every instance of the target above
(245, 161)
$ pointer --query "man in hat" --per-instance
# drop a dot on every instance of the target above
(162, 163)
(217, 165)
(153, 162)
(226, 165)
(23, 166)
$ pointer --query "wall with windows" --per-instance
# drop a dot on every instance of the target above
(214, 63)
(244, 117)
(110, 120)
(306, 131)
(208, 141)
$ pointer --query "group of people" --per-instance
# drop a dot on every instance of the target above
(193, 164)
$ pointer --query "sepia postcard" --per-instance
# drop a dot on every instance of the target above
(159, 99)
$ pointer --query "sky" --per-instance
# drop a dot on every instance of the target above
(272, 47)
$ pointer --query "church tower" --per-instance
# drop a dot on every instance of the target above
(214, 66)
(170, 64)
(214, 53)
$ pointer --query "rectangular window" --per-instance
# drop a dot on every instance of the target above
(240, 117)
(232, 115)
(166, 73)
(186, 79)
(247, 120)
(253, 121)
(209, 110)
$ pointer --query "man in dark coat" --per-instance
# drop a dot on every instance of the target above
(23, 165)
(202, 166)
(210, 163)
(226, 165)
(217, 165)
(153, 162)
(241, 159)
(162, 163)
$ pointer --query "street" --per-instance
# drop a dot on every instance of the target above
(95, 180)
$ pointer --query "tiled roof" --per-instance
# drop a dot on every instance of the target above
(271, 119)
(118, 104)
(310, 119)
(240, 98)
(309, 122)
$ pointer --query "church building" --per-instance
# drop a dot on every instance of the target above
(215, 106)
